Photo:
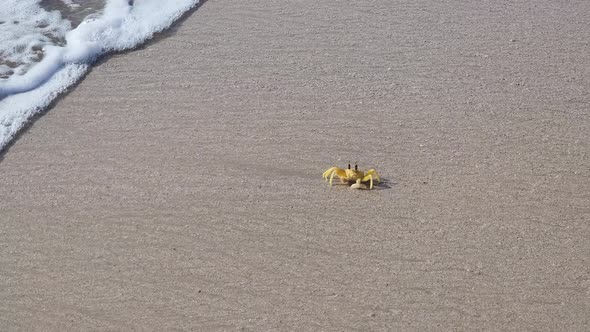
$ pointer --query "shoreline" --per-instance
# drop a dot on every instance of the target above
(179, 185)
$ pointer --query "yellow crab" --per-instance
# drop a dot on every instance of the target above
(354, 177)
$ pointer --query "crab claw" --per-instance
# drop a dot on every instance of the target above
(359, 185)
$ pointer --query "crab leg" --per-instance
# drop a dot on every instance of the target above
(334, 170)
(371, 174)
(340, 173)
(328, 172)
(374, 174)
(332, 177)
(369, 177)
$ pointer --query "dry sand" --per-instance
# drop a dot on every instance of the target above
(179, 185)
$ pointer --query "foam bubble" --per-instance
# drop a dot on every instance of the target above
(122, 25)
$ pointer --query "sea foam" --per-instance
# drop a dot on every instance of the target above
(67, 53)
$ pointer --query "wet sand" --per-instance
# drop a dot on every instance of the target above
(179, 185)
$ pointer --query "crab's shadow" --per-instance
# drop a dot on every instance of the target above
(384, 184)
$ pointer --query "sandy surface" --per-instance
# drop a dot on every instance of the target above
(179, 185)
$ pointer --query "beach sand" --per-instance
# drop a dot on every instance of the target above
(179, 185)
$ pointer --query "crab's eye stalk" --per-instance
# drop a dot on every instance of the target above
(356, 168)
(348, 166)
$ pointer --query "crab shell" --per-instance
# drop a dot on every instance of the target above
(353, 176)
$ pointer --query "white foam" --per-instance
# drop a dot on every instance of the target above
(121, 26)
(15, 110)
(25, 29)
(70, 3)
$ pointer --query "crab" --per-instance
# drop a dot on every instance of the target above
(352, 176)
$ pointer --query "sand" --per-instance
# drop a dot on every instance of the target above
(179, 186)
